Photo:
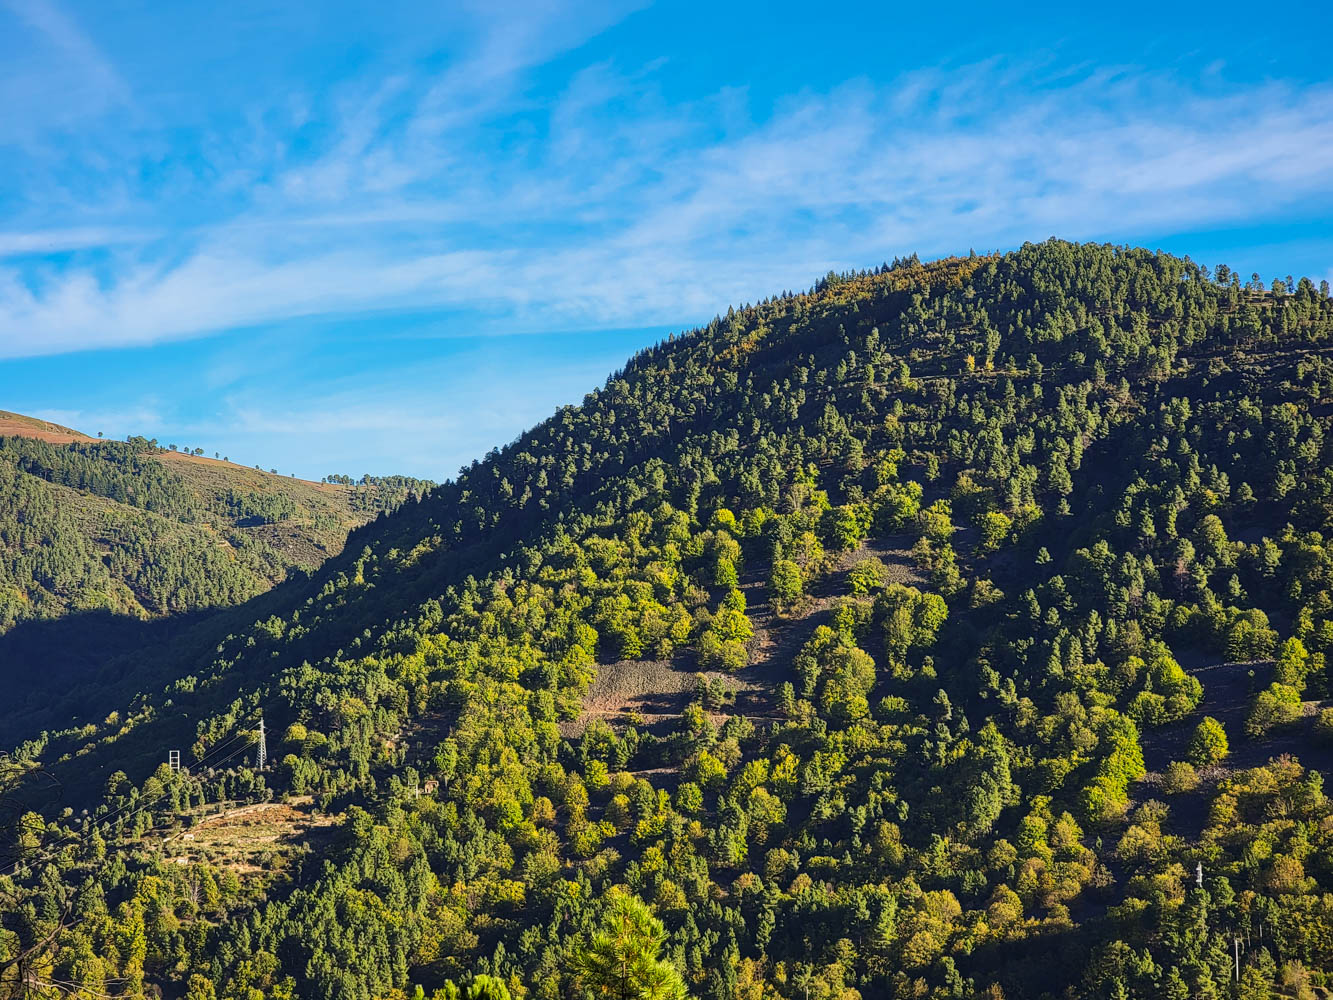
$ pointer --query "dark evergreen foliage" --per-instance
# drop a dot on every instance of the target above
(1107, 467)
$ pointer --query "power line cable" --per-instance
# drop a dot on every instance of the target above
(140, 804)
(119, 814)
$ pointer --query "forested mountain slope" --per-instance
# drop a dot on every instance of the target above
(98, 536)
(963, 553)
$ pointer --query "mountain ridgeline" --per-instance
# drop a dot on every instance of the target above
(951, 630)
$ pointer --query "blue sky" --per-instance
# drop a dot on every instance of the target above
(386, 237)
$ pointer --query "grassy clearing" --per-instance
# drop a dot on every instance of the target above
(251, 839)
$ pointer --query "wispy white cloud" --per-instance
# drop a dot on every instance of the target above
(60, 62)
(51, 241)
(48, 19)
(609, 206)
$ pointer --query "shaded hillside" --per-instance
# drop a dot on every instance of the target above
(106, 530)
(952, 546)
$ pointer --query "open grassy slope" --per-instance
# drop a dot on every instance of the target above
(18, 425)
(314, 527)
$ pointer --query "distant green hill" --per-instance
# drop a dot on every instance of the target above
(918, 636)
(105, 529)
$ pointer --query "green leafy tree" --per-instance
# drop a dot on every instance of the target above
(1277, 705)
(1292, 660)
(786, 584)
(1209, 744)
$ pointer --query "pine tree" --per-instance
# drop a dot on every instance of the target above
(621, 961)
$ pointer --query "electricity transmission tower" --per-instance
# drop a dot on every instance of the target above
(261, 752)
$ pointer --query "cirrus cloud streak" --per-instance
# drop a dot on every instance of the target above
(608, 206)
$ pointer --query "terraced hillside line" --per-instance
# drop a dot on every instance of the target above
(778, 640)
(1228, 690)
(655, 692)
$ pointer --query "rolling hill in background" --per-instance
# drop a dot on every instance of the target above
(918, 636)
(104, 544)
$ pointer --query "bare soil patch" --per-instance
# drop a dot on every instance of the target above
(649, 694)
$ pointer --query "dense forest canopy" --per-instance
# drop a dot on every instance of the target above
(954, 629)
